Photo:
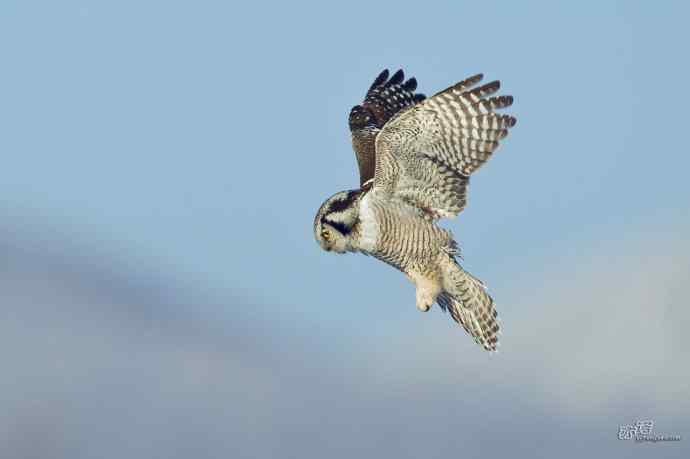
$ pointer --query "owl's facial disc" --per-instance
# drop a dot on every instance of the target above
(335, 221)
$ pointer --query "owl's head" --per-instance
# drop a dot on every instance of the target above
(335, 221)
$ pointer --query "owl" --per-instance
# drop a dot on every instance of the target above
(415, 158)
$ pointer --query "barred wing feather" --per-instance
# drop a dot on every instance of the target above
(426, 154)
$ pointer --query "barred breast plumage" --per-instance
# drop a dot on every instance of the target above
(400, 235)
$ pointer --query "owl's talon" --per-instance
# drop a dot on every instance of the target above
(424, 301)
(423, 307)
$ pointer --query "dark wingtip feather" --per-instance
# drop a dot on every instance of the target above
(383, 76)
(470, 81)
(397, 78)
(410, 85)
(493, 85)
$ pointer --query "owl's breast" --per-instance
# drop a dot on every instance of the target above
(398, 234)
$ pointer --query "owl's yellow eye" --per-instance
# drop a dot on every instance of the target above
(326, 235)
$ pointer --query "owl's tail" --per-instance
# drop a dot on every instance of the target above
(468, 302)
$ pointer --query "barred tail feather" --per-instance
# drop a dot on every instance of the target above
(466, 299)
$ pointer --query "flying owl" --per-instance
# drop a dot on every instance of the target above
(415, 158)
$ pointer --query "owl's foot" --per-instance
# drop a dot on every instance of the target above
(425, 299)
(428, 289)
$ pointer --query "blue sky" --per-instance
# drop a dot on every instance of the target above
(168, 158)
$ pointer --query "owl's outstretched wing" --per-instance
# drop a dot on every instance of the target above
(426, 154)
(386, 97)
